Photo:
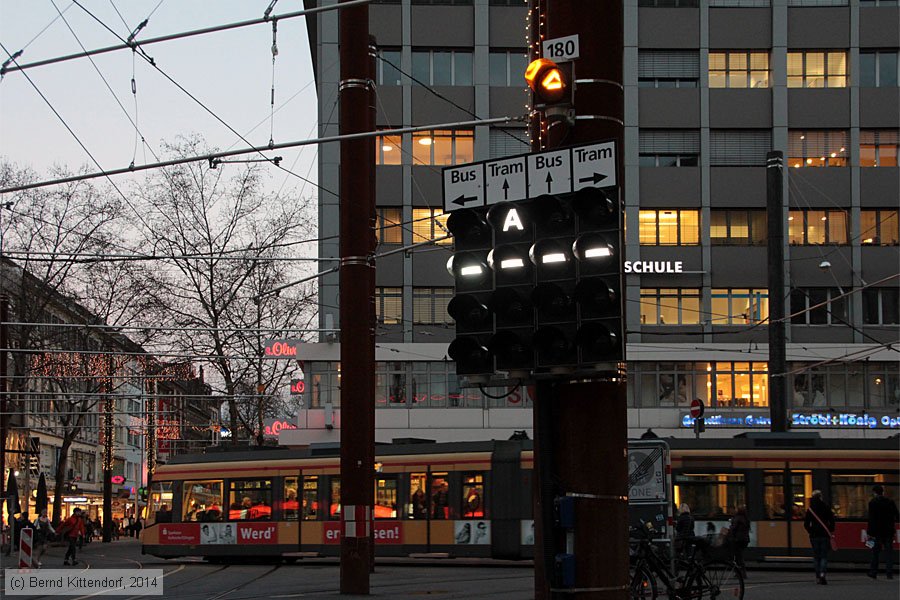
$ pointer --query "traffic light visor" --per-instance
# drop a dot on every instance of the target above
(546, 79)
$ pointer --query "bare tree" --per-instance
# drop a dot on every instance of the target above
(222, 241)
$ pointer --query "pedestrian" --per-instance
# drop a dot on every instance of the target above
(819, 524)
(881, 530)
(72, 528)
(738, 537)
(43, 534)
(684, 529)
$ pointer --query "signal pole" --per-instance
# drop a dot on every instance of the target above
(357, 298)
(581, 426)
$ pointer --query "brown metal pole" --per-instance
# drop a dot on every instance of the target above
(357, 291)
(588, 422)
(777, 352)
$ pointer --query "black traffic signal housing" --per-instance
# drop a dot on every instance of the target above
(553, 84)
(470, 306)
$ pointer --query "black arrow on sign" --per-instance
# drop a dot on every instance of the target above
(505, 189)
(595, 178)
(462, 199)
(549, 181)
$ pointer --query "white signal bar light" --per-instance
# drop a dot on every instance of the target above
(470, 270)
(555, 257)
(512, 263)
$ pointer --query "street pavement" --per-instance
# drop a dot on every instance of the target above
(194, 579)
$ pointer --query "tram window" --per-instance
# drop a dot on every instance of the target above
(801, 491)
(713, 496)
(250, 500)
(385, 498)
(334, 499)
(473, 496)
(201, 501)
(160, 499)
(440, 497)
(850, 494)
(291, 506)
(418, 501)
(310, 498)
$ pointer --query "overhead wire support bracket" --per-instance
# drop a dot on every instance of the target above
(215, 162)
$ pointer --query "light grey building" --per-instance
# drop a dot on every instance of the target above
(711, 86)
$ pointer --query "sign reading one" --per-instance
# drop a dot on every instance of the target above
(562, 48)
(529, 175)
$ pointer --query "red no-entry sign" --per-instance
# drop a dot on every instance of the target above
(697, 408)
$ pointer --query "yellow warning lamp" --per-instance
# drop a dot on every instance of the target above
(549, 82)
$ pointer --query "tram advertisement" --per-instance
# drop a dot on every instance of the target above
(192, 534)
(384, 532)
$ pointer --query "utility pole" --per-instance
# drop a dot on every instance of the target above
(581, 426)
(777, 352)
(357, 297)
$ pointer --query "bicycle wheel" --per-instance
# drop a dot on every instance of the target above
(643, 585)
(722, 580)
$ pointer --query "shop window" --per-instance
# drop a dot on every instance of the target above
(669, 227)
(737, 227)
(385, 498)
(741, 385)
(334, 499)
(821, 148)
(310, 502)
(739, 306)
(668, 68)
(389, 305)
(878, 68)
(430, 305)
(201, 500)
(817, 69)
(418, 500)
(507, 68)
(290, 508)
(671, 384)
(738, 69)
(818, 306)
(430, 224)
(670, 306)
(818, 227)
(850, 493)
(250, 500)
(388, 228)
(711, 496)
(881, 306)
(440, 497)
(879, 227)
(473, 496)
(878, 147)
(450, 147)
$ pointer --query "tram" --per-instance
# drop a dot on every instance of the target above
(474, 499)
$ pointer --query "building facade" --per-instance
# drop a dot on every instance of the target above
(710, 86)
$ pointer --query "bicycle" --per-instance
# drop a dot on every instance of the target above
(715, 579)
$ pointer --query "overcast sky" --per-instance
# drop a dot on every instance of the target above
(230, 72)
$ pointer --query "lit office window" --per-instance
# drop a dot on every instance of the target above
(675, 306)
(878, 147)
(737, 227)
(739, 306)
(388, 229)
(664, 227)
(430, 224)
(878, 68)
(879, 227)
(817, 148)
(443, 147)
(388, 150)
(738, 69)
(389, 305)
(817, 69)
(816, 227)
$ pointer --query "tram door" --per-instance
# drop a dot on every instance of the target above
(786, 497)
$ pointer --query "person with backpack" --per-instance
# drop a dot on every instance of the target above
(43, 535)
(819, 524)
(72, 528)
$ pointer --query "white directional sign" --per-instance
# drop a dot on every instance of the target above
(594, 166)
(505, 180)
(549, 173)
(464, 186)
(529, 176)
